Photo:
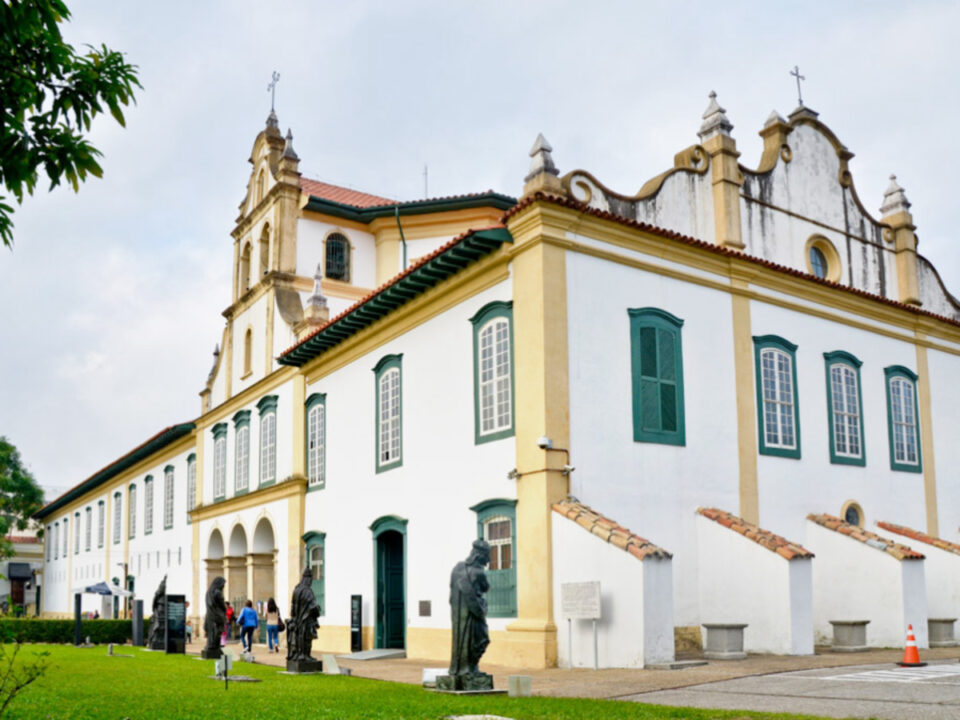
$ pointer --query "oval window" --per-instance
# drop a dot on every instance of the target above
(852, 515)
(818, 262)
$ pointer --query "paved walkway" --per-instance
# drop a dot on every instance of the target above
(624, 684)
(866, 691)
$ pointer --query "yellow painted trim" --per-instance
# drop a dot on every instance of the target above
(340, 289)
(195, 526)
(228, 366)
(296, 507)
(759, 276)
(542, 407)
(726, 180)
(388, 258)
(926, 440)
(435, 225)
(506, 648)
(472, 280)
(743, 362)
(291, 487)
(336, 638)
(299, 425)
(830, 254)
(331, 220)
(268, 339)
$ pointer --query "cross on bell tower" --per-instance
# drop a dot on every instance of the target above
(272, 87)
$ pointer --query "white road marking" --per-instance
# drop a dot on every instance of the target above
(904, 675)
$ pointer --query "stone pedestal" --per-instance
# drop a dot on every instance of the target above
(849, 635)
(940, 632)
(213, 654)
(724, 641)
(304, 666)
(520, 686)
(456, 683)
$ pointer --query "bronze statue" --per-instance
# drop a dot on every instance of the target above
(215, 620)
(468, 615)
(158, 617)
(302, 627)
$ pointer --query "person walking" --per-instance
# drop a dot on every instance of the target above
(248, 621)
(274, 623)
(226, 628)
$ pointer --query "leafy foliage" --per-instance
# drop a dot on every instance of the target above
(20, 496)
(16, 675)
(49, 95)
(37, 630)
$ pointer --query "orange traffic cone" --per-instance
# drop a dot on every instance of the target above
(911, 658)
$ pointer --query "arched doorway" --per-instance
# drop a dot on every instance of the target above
(389, 536)
(262, 563)
(235, 566)
(214, 559)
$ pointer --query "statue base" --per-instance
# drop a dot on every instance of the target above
(157, 646)
(458, 683)
(211, 653)
(305, 666)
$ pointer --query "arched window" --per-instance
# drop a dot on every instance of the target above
(389, 413)
(241, 476)
(191, 484)
(247, 351)
(846, 408)
(315, 560)
(117, 515)
(168, 497)
(148, 505)
(264, 252)
(777, 406)
(219, 461)
(902, 424)
(496, 523)
(261, 185)
(337, 258)
(268, 439)
(244, 283)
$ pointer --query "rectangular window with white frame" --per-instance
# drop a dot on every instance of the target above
(241, 469)
(268, 439)
(845, 409)
(493, 372)
(778, 408)
(168, 497)
(219, 461)
(903, 428)
(316, 408)
(389, 413)
(148, 505)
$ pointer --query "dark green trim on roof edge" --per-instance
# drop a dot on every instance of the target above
(417, 207)
(420, 279)
(158, 442)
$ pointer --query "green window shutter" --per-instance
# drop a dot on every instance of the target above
(316, 561)
(388, 427)
(657, 376)
(493, 385)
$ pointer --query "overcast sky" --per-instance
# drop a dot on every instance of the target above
(112, 297)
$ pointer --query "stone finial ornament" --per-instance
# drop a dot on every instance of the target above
(288, 151)
(774, 118)
(317, 311)
(543, 172)
(715, 120)
(894, 199)
(542, 161)
(272, 121)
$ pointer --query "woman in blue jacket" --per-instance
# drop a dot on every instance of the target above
(248, 622)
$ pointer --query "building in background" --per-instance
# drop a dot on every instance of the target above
(570, 376)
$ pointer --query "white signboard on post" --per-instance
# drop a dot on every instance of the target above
(580, 601)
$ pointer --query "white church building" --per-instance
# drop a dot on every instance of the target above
(704, 396)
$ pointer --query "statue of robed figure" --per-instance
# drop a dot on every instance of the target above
(215, 620)
(158, 617)
(468, 615)
(302, 627)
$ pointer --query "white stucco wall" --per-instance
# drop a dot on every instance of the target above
(743, 582)
(636, 624)
(944, 368)
(853, 581)
(651, 488)
(311, 234)
(443, 473)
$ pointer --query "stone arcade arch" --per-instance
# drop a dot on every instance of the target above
(262, 563)
(235, 566)
(214, 558)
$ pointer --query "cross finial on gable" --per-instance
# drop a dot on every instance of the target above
(272, 87)
(796, 73)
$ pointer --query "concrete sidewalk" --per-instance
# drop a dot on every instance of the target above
(557, 682)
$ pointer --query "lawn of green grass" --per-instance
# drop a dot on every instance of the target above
(85, 683)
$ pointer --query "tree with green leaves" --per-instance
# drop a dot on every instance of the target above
(20, 496)
(49, 94)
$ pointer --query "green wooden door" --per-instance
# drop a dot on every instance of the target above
(390, 591)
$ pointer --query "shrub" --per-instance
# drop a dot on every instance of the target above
(36, 630)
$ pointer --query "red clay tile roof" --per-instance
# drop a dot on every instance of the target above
(900, 552)
(422, 261)
(716, 249)
(338, 194)
(608, 530)
(767, 539)
(921, 536)
(23, 539)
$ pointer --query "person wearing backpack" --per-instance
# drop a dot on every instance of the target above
(275, 626)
